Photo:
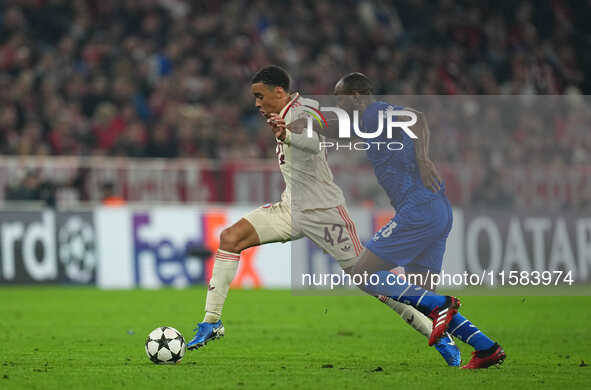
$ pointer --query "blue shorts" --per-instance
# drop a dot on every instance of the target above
(415, 238)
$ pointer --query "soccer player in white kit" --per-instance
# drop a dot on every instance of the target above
(318, 203)
(315, 210)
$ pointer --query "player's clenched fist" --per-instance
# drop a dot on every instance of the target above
(278, 126)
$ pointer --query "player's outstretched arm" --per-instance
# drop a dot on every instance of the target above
(429, 174)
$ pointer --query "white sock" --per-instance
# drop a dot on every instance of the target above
(420, 322)
(224, 270)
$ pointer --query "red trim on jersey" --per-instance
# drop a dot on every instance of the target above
(350, 226)
(289, 106)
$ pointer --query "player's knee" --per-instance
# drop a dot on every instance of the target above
(230, 240)
(357, 270)
(360, 268)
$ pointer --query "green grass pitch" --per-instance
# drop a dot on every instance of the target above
(61, 338)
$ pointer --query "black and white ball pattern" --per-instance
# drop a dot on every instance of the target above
(77, 249)
(165, 345)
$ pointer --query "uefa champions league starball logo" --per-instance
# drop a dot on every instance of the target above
(76, 240)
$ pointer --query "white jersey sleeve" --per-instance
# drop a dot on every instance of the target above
(309, 183)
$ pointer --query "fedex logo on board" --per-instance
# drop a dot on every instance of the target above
(173, 247)
(163, 243)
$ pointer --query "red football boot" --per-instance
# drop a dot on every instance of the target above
(441, 317)
(485, 359)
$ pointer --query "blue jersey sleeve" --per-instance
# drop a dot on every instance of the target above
(369, 119)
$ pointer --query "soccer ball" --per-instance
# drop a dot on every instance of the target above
(165, 345)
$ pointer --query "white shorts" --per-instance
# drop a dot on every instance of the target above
(331, 229)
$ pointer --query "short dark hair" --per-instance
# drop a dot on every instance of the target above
(357, 82)
(272, 75)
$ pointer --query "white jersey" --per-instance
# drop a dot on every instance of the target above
(309, 183)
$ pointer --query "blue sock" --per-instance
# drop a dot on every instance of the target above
(463, 329)
(425, 301)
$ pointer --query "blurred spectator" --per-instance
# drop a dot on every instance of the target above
(110, 197)
(169, 78)
(32, 188)
(492, 192)
(87, 72)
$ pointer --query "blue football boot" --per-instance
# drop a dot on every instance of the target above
(206, 332)
(449, 350)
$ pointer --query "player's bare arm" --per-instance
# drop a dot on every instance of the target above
(427, 169)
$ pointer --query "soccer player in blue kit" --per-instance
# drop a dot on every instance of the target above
(415, 238)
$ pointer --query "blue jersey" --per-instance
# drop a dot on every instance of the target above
(415, 238)
(396, 170)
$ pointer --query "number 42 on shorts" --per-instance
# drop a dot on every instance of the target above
(337, 231)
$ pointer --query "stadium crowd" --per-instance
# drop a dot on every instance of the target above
(168, 78)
